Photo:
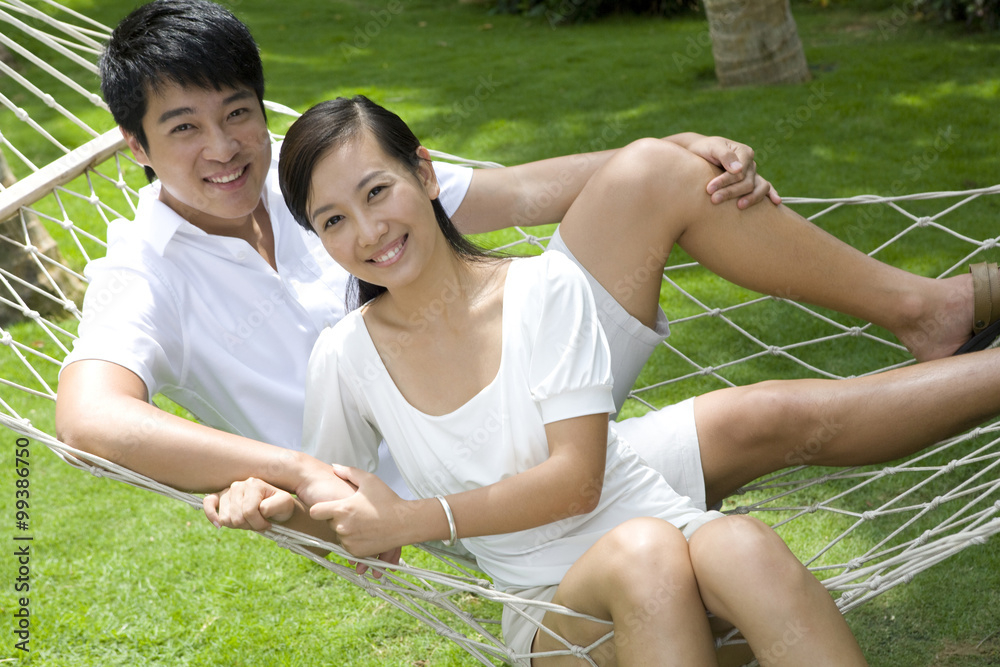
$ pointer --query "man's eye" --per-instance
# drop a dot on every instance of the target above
(182, 127)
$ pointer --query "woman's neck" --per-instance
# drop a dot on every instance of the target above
(444, 290)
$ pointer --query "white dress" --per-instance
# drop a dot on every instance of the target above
(554, 365)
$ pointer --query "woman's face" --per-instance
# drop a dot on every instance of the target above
(372, 214)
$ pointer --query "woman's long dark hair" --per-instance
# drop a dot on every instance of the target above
(331, 124)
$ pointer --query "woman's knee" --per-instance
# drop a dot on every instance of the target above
(742, 547)
(650, 560)
(657, 165)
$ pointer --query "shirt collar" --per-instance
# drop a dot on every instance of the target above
(157, 222)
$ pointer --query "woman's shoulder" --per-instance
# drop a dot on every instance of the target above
(549, 265)
(345, 335)
(550, 272)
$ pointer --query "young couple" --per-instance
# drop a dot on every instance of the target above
(220, 296)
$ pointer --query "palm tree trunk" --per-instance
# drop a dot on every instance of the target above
(755, 42)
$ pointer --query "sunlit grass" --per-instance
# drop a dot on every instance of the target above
(124, 577)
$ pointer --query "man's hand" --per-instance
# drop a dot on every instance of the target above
(740, 178)
(318, 482)
(251, 505)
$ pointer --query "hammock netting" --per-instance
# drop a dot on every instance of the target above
(861, 530)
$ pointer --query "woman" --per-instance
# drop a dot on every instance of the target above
(490, 380)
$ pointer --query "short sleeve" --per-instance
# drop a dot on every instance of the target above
(130, 318)
(454, 181)
(334, 427)
(570, 367)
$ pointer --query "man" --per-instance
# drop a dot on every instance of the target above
(218, 295)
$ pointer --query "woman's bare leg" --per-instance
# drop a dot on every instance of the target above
(748, 576)
(639, 576)
(651, 195)
(746, 432)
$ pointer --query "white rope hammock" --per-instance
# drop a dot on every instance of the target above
(880, 525)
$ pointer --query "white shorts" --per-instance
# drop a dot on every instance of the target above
(631, 342)
(519, 628)
(666, 438)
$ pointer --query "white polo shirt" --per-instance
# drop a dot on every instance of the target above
(205, 321)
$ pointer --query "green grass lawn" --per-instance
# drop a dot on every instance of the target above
(124, 577)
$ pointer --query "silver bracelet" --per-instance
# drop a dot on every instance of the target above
(451, 523)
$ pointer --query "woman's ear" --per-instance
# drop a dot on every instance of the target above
(426, 175)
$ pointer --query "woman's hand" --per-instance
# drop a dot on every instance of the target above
(372, 522)
(251, 505)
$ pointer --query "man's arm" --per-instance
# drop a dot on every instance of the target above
(538, 193)
(102, 408)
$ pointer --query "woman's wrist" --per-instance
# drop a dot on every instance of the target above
(425, 521)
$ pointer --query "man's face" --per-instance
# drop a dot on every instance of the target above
(210, 150)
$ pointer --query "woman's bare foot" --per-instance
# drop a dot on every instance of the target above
(941, 321)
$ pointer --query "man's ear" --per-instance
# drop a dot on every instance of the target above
(426, 174)
(137, 150)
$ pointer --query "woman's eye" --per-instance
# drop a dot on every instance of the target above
(374, 191)
(332, 221)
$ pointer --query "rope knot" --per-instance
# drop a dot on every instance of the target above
(854, 563)
(21, 114)
(715, 312)
(936, 503)
(6, 339)
(854, 331)
(94, 200)
(707, 370)
(869, 516)
(33, 315)
(30, 249)
(774, 350)
(579, 652)
(924, 221)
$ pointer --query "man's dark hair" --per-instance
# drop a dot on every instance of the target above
(187, 42)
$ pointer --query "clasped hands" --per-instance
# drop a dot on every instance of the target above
(350, 507)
